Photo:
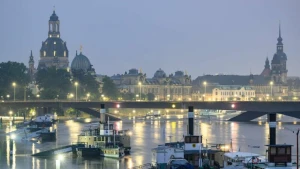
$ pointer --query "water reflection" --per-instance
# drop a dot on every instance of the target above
(147, 134)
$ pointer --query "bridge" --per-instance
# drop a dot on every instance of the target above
(253, 109)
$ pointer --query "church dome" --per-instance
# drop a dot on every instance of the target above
(159, 73)
(54, 47)
(54, 17)
(179, 73)
(81, 62)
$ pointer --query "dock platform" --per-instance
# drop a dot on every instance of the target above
(60, 150)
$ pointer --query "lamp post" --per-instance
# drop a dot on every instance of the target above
(204, 83)
(140, 84)
(271, 84)
(38, 97)
(76, 84)
(14, 85)
(87, 96)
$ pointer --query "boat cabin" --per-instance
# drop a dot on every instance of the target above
(192, 148)
(280, 154)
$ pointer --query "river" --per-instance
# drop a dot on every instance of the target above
(146, 134)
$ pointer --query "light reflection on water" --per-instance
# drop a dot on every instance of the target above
(147, 134)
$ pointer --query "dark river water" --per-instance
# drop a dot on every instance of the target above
(146, 134)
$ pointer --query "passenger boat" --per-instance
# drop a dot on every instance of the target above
(242, 159)
(44, 121)
(105, 141)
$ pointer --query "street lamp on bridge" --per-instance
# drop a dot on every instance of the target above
(204, 83)
(140, 84)
(14, 85)
(76, 84)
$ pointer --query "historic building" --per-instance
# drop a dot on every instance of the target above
(267, 71)
(172, 87)
(270, 84)
(279, 71)
(81, 62)
(54, 51)
(231, 92)
(31, 68)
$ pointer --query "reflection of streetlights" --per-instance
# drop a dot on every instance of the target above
(58, 161)
(271, 84)
(14, 85)
(140, 84)
(297, 135)
(76, 84)
(204, 83)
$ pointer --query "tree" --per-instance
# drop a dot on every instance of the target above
(13, 72)
(109, 89)
(128, 96)
(53, 83)
(87, 84)
(150, 96)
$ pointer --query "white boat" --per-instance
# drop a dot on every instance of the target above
(44, 121)
(241, 159)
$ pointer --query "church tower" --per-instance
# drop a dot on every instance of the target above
(31, 69)
(267, 71)
(279, 71)
(54, 51)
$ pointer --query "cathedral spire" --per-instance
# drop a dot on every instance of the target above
(279, 39)
(31, 58)
(267, 63)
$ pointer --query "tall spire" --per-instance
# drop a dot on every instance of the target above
(31, 57)
(279, 29)
(279, 39)
(267, 63)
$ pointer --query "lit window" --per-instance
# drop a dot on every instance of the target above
(65, 53)
(58, 36)
(44, 53)
(54, 53)
(54, 42)
(50, 36)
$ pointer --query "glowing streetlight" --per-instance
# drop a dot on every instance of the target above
(204, 83)
(38, 96)
(173, 106)
(76, 84)
(140, 84)
(14, 85)
(87, 96)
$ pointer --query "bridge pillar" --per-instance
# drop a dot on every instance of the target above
(272, 127)
(191, 120)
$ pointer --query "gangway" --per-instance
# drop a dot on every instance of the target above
(60, 150)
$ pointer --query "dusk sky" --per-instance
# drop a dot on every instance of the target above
(200, 37)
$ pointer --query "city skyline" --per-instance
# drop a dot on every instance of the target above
(151, 41)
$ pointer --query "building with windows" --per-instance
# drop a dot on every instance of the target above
(54, 51)
(271, 83)
(232, 92)
(172, 87)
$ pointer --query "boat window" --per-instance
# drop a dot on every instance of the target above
(187, 140)
(281, 150)
(288, 150)
(273, 150)
(194, 140)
